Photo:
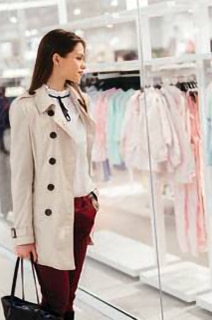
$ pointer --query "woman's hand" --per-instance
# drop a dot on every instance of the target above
(23, 251)
(95, 204)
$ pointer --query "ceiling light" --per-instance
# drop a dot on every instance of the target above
(114, 41)
(171, 3)
(34, 32)
(79, 32)
(115, 15)
(114, 3)
(109, 26)
(27, 33)
(13, 19)
(77, 12)
(131, 4)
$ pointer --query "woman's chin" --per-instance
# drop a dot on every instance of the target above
(76, 80)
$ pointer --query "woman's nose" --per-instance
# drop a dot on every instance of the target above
(83, 66)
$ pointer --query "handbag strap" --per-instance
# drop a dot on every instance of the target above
(15, 276)
(34, 270)
(22, 279)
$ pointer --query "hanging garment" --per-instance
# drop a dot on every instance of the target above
(164, 146)
(116, 113)
(208, 125)
(185, 171)
(100, 152)
(189, 206)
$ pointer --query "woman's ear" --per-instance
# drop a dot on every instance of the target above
(56, 59)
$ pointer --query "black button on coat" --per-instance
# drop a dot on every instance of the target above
(48, 212)
(52, 161)
(50, 187)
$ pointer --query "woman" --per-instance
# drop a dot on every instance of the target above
(54, 199)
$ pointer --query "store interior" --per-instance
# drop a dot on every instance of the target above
(149, 81)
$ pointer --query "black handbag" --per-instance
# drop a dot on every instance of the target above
(20, 309)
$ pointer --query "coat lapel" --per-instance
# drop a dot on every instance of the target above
(44, 103)
(61, 121)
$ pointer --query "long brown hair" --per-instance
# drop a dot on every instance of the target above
(56, 41)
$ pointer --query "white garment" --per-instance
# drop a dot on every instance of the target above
(83, 183)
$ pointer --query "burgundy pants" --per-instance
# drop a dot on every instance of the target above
(58, 287)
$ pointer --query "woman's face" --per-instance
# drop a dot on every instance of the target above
(72, 66)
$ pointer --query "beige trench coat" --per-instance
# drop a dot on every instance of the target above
(43, 154)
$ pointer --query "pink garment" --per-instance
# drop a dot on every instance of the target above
(100, 153)
(185, 171)
(129, 132)
(164, 145)
(189, 206)
(197, 150)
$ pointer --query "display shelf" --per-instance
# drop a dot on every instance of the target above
(124, 254)
(113, 66)
(153, 10)
(14, 5)
(205, 301)
(97, 21)
(185, 61)
(184, 280)
(15, 73)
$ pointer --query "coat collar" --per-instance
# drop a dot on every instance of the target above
(44, 102)
(42, 99)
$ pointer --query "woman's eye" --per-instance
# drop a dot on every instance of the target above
(81, 59)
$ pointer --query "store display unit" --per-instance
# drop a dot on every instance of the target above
(174, 278)
(200, 277)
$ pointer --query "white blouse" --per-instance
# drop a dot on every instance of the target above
(83, 183)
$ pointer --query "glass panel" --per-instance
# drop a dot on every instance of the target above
(205, 300)
(175, 108)
(124, 236)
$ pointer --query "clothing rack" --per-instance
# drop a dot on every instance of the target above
(106, 80)
(109, 80)
(181, 269)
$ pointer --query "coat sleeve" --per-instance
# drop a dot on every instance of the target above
(21, 161)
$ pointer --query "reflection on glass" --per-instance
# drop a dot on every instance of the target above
(172, 35)
(113, 42)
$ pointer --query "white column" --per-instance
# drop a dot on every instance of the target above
(132, 4)
(62, 12)
(145, 38)
(202, 27)
(21, 15)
